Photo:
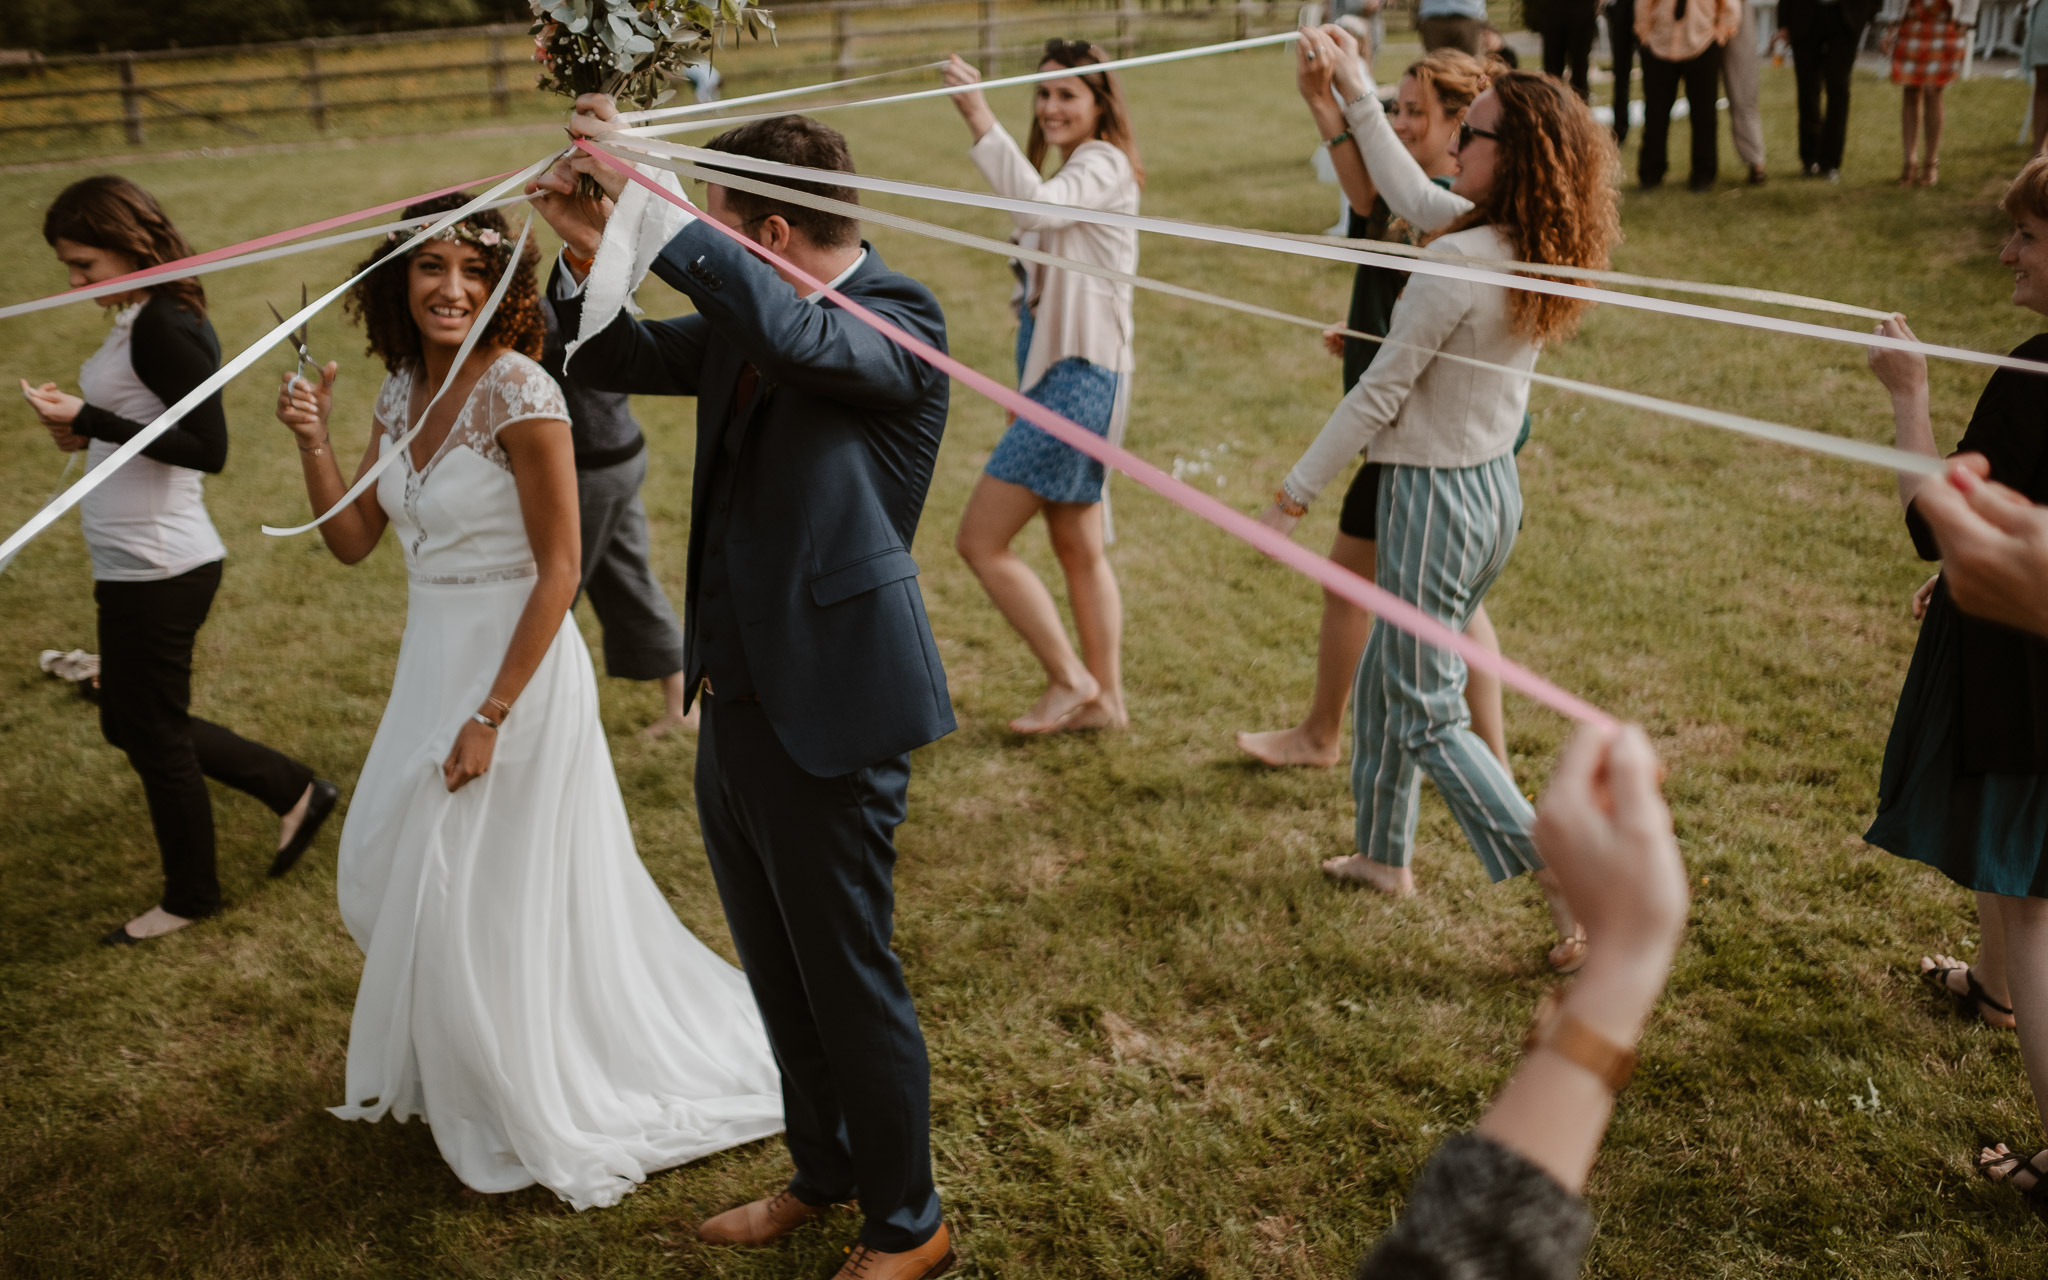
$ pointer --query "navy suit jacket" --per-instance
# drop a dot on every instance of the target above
(839, 442)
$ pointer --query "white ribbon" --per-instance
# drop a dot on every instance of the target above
(222, 264)
(1094, 68)
(727, 104)
(476, 331)
(227, 373)
(1334, 251)
(640, 226)
(1798, 437)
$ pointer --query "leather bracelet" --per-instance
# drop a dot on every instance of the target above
(484, 720)
(1288, 506)
(577, 262)
(1564, 1035)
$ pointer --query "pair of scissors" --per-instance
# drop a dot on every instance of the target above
(298, 337)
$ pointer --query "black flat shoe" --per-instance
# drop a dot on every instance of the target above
(120, 937)
(325, 796)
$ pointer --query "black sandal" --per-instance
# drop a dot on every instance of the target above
(2036, 1196)
(1970, 1003)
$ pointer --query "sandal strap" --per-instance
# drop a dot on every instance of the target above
(1977, 994)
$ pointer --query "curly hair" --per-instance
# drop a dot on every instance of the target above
(1553, 197)
(110, 212)
(1453, 77)
(382, 301)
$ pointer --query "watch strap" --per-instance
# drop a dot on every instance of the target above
(1557, 1030)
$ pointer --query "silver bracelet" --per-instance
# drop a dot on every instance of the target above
(484, 720)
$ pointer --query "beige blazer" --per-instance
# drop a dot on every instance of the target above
(1076, 315)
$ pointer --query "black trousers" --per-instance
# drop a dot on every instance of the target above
(1823, 56)
(805, 869)
(1702, 79)
(1568, 36)
(1621, 38)
(146, 634)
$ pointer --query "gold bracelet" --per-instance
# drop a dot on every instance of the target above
(1575, 1042)
(504, 707)
(317, 449)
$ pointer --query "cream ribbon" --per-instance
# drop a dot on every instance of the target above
(469, 341)
(1334, 251)
(227, 373)
(1798, 437)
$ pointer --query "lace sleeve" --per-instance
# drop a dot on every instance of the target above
(392, 399)
(521, 390)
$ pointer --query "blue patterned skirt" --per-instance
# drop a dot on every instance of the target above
(1985, 831)
(1080, 391)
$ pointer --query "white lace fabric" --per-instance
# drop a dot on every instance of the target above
(464, 527)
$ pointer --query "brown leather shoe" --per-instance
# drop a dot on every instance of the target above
(760, 1221)
(929, 1260)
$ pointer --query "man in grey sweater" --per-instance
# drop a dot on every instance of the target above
(642, 639)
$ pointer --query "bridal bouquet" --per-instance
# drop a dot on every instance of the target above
(631, 49)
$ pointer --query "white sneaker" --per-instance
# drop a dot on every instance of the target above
(75, 666)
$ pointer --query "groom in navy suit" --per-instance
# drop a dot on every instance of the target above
(806, 635)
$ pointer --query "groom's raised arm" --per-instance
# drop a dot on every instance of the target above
(643, 357)
(816, 348)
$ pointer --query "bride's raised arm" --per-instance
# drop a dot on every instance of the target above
(1400, 181)
(304, 407)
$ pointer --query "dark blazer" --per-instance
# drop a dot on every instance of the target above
(1795, 16)
(837, 455)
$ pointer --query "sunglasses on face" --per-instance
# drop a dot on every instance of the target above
(1466, 133)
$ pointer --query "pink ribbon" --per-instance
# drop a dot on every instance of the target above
(280, 237)
(1383, 604)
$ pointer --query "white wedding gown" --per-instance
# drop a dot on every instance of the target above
(526, 988)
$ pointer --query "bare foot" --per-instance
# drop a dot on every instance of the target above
(1057, 704)
(2001, 1163)
(155, 923)
(1398, 882)
(669, 723)
(1569, 955)
(1101, 713)
(287, 826)
(1284, 747)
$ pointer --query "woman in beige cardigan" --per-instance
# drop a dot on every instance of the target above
(1074, 357)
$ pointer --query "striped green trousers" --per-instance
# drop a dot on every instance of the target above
(1444, 536)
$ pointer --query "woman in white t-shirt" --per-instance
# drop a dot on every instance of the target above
(156, 560)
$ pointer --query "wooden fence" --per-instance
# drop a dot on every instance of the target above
(492, 64)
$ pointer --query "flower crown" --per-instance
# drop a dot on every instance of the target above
(465, 232)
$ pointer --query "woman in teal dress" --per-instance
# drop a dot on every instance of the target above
(1965, 781)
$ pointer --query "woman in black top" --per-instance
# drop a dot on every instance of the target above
(1965, 781)
(156, 558)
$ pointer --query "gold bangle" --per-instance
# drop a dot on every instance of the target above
(1575, 1042)
(504, 707)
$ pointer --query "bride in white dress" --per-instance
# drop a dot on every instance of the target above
(527, 990)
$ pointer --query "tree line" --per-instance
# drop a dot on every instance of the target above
(87, 26)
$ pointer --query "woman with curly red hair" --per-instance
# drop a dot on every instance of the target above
(526, 988)
(1534, 182)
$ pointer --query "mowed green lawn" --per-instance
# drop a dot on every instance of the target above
(1161, 1044)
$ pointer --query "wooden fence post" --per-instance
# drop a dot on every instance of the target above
(501, 98)
(1126, 40)
(1244, 20)
(316, 95)
(988, 37)
(131, 99)
(842, 43)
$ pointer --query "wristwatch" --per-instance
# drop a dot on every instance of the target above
(1558, 1031)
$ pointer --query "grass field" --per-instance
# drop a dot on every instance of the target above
(1161, 1044)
